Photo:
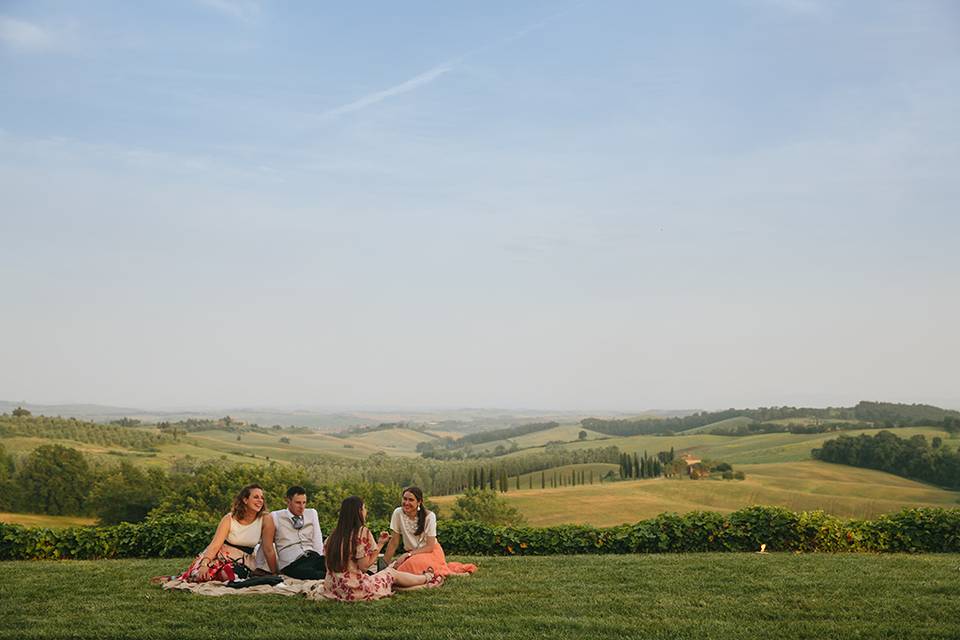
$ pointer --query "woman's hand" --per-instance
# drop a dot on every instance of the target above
(204, 572)
(384, 537)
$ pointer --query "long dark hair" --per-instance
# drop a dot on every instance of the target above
(421, 510)
(342, 543)
(239, 510)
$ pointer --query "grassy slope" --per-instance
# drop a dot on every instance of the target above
(215, 444)
(729, 423)
(803, 486)
(703, 596)
(41, 520)
(766, 447)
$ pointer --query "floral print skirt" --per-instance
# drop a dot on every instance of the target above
(354, 586)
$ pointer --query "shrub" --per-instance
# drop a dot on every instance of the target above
(910, 531)
(484, 505)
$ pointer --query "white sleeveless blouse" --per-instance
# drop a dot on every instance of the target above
(245, 535)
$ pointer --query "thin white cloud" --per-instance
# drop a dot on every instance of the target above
(24, 36)
(430, 75)
(415, 82)
(243, 10)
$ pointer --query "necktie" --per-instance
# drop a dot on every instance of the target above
(297, 522)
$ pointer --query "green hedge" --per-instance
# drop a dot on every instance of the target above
(911, 530)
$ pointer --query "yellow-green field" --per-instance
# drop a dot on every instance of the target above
(39, 520)
(562, 433)
(729, 423)
(760, 448)
(803, 486)
(252, 446)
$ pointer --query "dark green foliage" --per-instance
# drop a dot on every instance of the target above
(209, 491)
(8, 489)
(911, 458)
(486, 507)
(127, 493)
(20, 412)
(910, 531)
(55, 480)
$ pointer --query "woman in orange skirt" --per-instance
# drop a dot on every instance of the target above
(417, 527)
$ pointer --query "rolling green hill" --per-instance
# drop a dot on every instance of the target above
(802, 486)
(722, 425)
(760, 448)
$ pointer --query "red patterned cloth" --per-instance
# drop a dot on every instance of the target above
(354, 585)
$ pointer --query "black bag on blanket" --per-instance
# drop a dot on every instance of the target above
(271, 581)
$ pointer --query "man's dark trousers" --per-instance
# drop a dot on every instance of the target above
(309, 566)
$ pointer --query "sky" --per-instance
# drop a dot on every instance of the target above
(609, 205)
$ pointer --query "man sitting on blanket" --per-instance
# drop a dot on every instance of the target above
(298, 539)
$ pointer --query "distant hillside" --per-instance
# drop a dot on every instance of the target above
(467, 420)
(880, 414)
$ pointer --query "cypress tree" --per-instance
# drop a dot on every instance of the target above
(543, 479)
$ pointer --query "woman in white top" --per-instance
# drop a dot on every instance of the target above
(417, 527)
(233, 543)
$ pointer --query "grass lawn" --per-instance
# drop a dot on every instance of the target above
(702, 596)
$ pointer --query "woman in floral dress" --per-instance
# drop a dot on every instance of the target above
(349, 550)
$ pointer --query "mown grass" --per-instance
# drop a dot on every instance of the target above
(702, 596)
(799, 486)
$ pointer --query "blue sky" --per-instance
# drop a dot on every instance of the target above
(570, 205)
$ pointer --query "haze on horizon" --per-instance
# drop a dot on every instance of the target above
(558, 205)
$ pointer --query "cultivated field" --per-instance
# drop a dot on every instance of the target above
(703, 596)
(760, 448)
(803, 486)
(252, 447)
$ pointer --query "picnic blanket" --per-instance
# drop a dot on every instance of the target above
(289, 587)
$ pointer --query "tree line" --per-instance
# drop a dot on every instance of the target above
(882, 414)
(25, 425)
(913, 457)
(59, 480)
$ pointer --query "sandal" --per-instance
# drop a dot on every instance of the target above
(429, 575)
(160, 579)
